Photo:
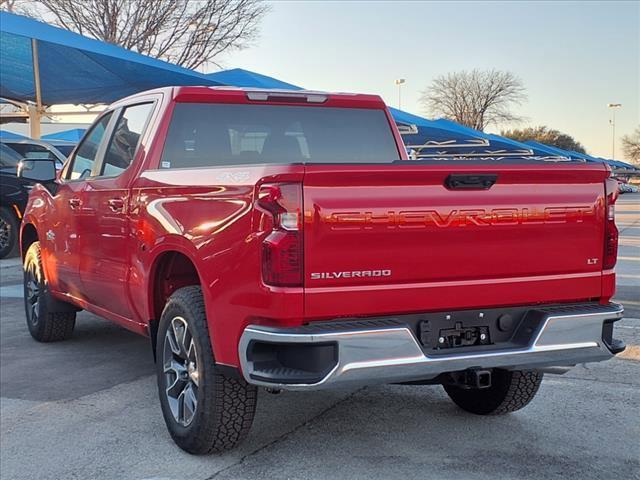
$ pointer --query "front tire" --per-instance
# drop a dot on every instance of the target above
(510, 390)
(45, 323)
(8, 232)
(204, 410)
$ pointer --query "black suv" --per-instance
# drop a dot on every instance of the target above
(14, 193)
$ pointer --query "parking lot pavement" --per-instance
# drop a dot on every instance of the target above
(87, 408)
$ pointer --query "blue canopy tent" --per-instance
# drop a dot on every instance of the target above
(499, 145)
(617, 164)
(591, 158)
(427, 137)
(72, 135)
(585, 157)
(628, 166)
(444, 138)
(551, 150)
(572, 154)
(614, 164)
(5, 135)
(239, 77)
(46, 65)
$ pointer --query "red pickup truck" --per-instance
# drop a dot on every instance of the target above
(285, 240)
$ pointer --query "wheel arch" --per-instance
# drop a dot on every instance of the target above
(171, 269)
(28, 235)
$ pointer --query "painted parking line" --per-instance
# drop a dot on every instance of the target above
(10, 262)
(634, 244)
(623, 275)
(12, 291)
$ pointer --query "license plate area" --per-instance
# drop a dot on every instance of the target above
(461, 336)
(475, 330)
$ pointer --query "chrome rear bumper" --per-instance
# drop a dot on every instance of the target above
(392, 353)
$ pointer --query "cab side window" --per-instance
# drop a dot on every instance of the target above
(87, 151)
(125, 139)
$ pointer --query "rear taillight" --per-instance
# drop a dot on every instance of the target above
(610, 230)
(282, 257)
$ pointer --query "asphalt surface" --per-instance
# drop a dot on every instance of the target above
(87, 408)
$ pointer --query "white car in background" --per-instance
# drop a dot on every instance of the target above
(627, 188)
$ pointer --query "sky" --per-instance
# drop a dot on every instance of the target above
(573, 57)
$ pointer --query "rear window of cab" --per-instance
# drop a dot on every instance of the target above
(203, 135)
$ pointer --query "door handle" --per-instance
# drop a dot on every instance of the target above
(116, 204)
(74, 203)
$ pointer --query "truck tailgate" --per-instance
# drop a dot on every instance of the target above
(403, 238)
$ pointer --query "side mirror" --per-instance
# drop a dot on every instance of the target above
(38, 170)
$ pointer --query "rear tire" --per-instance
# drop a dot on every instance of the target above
(205, 410)
(510, 390)
(45, 323)
(8, 232)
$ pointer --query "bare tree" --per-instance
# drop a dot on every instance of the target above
(631, 146)
(476, 98)
(191, 33)
(8, 5)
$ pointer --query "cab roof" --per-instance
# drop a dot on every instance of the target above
(255, 96)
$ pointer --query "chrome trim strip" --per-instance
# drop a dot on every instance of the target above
(393, 354)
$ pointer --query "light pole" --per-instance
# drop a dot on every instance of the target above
(613, 107)
(399, 83)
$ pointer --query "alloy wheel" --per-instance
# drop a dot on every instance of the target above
(32, 294)
(181, 372)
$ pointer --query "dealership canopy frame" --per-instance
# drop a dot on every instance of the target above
(42, 65)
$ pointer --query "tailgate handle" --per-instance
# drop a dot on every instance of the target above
(463, 181)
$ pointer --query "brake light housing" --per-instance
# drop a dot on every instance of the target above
(282, 249)
(610, 230)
